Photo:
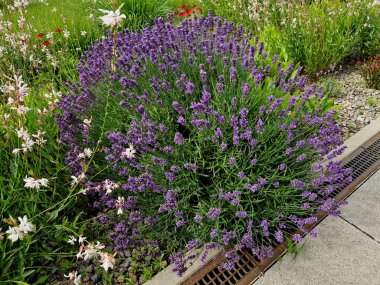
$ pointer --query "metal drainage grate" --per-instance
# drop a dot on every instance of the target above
(249, 269)
(364, 160)
(217, 276)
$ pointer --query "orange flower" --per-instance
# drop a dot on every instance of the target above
(46, 43)
(40, 35)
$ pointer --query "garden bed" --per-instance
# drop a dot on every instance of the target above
(176, 130)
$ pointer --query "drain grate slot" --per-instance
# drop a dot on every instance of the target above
(249, 268)
(217, 277)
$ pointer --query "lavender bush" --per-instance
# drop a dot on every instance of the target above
(194, 138)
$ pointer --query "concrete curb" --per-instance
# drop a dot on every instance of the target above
(361, 138)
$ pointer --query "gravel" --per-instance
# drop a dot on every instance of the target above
(359, 105)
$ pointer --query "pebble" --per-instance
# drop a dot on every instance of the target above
(359, 105)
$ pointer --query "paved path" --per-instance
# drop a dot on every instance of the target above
(347, 252)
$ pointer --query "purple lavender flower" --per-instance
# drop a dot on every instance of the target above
(135, 217)
(190, 88)
(282, 167)
(213, 213)
(218, 132)
(170, 176)
(297, 238)
(174, 169)
(301, 158)
(179, 139)
(279, 236)
(298, 184)
(260, 126)
(198, 219)
(180, 223)
(177, 107)
(265, 226)
(214, 233)
(313, 234)
(232, 160)
(190, 166)
(192, 244)
(241, 214)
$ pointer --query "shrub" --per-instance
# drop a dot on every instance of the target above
(370, 70)
(199, 138)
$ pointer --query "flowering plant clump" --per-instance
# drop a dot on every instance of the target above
(370, 70)
(199, 139)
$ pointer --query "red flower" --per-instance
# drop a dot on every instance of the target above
(58, 31)
(186, 13)
(358, 62)
(183, 5)
(40, 35)
(46, 43)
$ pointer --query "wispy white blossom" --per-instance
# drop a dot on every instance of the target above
(112, 18)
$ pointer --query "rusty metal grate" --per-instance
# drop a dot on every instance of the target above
(363, 163)
(217, 276)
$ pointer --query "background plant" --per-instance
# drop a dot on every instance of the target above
(314, 33)
(370, 70)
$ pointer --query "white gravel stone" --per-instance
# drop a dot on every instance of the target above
(359, 104)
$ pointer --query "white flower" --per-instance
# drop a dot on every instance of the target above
(33, 183)
(109, 186)
(81, 239)
(129, 152)
(21, 110)
(91, 250)
(83, 33)
(76, 180)
(73, 276)
(27, 145)
(72, 240)
(99, 246)
(25, 225)
(81, 155)
(16, 150)
(119, 205)
(112, 18)
(21, 133)
(87, 122)
(14, 234)
(88, 152)
(107, 261)
(66, 34)
(376, 3)
(79, 255)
